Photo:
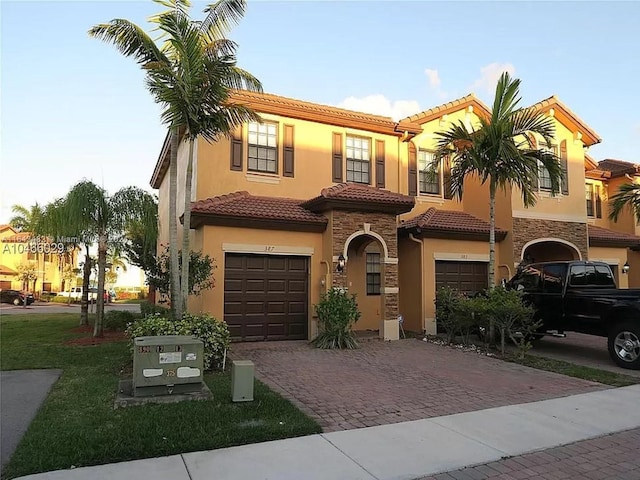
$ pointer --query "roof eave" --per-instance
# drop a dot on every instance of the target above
(201, 219)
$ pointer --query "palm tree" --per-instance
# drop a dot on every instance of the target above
(191, 75)
(103, 219)
(502, 152)
(26, 220)
(628, 196)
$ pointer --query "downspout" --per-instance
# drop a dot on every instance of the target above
(422, 318)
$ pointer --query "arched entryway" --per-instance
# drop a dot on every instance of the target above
(549, 250)
(365, 255)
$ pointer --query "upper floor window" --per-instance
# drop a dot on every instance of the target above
(428, 181)
(544, 179)
(373, 274)
(358, 160)
(263, 147)
(594, 203)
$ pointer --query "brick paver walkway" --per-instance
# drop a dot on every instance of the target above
(614, 457)
(392, 382)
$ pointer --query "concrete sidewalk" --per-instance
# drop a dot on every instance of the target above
(406, 450)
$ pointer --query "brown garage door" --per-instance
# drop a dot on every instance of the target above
(265, 296)
(467, 277)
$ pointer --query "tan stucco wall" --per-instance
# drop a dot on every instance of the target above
(262, 242)
(312, 162)
(569, 207)
(626, 221)
(634, 271)
(612, 256)
(410, 284)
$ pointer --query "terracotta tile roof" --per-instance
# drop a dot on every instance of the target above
(618, 168)
(245, 206)
(449, 221)
(450, 107)
(366, 196)
(569, 119)
(20, 237)
(599, 236)
(4, 270)
(4, 226)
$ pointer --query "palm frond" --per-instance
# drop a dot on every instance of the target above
(129, 39)
(627, 197)
(222, 16)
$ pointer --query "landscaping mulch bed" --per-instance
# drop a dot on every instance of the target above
(89, 339)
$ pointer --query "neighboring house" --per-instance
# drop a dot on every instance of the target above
(282, 204)
(22, 248)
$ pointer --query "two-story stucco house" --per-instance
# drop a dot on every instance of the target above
(317, 196)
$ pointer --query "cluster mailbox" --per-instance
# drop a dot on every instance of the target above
(167, 364)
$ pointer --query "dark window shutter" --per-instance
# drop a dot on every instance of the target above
(535, 180)
(380, 163)
(287, 169)
(564, 165)
(598, 202)
(236, 150)
(446, 177)
(337, 157)
(413, 170)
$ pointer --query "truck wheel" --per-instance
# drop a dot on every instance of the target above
(16, 301)
(624, 345)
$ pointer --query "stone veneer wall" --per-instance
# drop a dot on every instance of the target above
(528, 229)
(345, 223)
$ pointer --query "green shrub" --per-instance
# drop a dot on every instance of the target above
(58, 299)
(337, 312)
(448, 305)
(147, 308)
(513, 318)
(119, 320)
(213, 333)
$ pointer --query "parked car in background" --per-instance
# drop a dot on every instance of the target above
(582, 297)
(76, 294)
(15, 297)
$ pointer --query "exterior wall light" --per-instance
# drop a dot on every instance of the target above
(340, 266)
(626, 267)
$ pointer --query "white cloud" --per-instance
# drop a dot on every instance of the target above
(380, 105)
(434, 77)
(434, 83)
(489, 76)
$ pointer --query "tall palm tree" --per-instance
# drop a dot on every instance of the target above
(501, 152)
(191, 75)
(627, 196)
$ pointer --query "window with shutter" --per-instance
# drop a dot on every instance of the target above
(236, 150)
(263, 147)
(589, 199)
(428, 180)
(358, 160)
(564, 164)
(598, 201)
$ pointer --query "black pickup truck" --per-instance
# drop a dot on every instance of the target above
(582, 297)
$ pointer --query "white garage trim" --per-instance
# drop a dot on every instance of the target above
(261, 249)
(461, 257)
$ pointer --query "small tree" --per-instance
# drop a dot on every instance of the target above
(337, 313)
(27, 272)
(68, 274)
(201, 269)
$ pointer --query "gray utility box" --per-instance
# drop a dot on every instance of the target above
(242, 372)
(167, 364)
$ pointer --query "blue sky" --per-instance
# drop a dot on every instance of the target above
(73, 107)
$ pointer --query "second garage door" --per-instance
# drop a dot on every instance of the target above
(266, 296)
(467, 277)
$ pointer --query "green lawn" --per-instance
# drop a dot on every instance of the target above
(78, 425)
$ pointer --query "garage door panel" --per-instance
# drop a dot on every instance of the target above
(266, 297)
(467, 277)
(279, 285)
(277, 263)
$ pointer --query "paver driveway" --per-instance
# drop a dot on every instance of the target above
(389, 382)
